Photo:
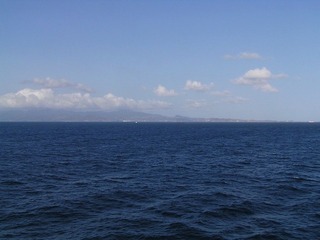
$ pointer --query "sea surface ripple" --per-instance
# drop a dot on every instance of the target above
(159, 181)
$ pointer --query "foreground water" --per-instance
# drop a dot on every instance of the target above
(159, 181)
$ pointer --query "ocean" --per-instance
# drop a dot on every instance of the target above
(159, 181)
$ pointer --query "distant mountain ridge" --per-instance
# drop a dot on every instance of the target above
(49, 115)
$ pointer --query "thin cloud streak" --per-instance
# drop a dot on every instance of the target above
(196, 103)
(227, 97)
(59, 83)
(243, 55)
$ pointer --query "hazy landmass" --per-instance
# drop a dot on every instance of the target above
(46, 115)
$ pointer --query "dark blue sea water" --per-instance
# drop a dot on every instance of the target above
(159, 181)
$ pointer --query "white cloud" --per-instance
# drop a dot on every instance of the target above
(47, 98)
(258, 73)
(26, 97)
(259, 78)
(197, 86)
(243, 55)
(61, 83)
(163, 92)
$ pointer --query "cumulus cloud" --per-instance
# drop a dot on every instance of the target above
(47, 98)
(243, 55)
(60, 83)
(164, 92)
(259, 78)
(197, 86)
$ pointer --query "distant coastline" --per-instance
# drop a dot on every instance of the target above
(45, 115)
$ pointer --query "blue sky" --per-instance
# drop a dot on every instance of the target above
(232, 59)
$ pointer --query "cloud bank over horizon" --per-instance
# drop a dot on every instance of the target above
(48, 98)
